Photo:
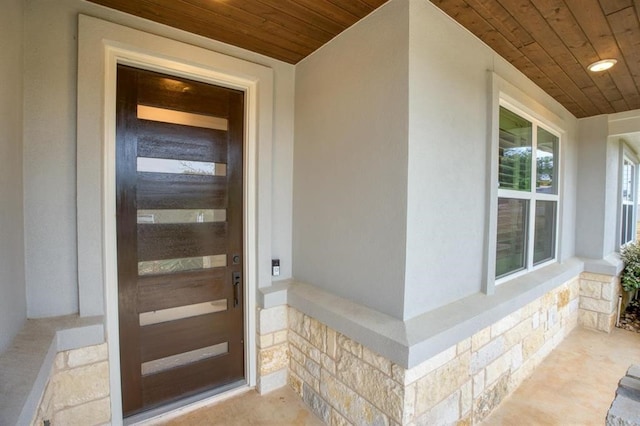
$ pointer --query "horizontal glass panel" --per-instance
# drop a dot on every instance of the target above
(544, 244)
(181, 312)
(179, 117)
(546, 159)
(182, 216)
(183, 264)
(514, 157)
(511, 241)
(162, 364)
(185, 167)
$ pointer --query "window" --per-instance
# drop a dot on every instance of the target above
(528, 197)
(628, 197)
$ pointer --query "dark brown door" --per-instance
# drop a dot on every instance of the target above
(179, 232)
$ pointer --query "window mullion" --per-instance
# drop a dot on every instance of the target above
(531, 219)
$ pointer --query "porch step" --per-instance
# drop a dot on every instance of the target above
(625, 409)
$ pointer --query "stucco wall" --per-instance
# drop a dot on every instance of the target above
(350, 162)
(449, 111)
(50, 149)
(344, 209)
(12, 287)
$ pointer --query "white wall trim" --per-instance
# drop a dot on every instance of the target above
(103, 45)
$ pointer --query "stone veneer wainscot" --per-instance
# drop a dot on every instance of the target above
(78, 389)
(346, 383)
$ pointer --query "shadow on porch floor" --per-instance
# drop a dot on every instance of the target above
(575, 384)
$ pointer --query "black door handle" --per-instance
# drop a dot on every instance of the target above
(237, 279)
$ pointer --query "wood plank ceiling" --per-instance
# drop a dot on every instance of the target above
(550, 41)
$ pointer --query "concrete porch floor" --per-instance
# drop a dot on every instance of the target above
(574, 385)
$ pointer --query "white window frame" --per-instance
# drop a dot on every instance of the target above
(626, 154)
(532, 196)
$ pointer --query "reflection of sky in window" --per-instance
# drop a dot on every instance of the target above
(162, 165)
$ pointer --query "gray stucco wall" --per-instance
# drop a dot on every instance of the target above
(50, 152)
(350, 162)
(12, 286)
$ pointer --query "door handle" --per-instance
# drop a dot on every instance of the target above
(237, 279)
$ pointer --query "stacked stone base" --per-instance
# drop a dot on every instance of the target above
(345, 383)
(599, 301)
(78, 389)
(625, 409)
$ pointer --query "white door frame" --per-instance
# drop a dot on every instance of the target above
(102, 46)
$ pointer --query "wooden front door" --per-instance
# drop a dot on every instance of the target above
(179, 233)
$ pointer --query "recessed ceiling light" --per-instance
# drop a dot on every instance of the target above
(602, 65)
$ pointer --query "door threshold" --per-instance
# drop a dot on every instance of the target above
(187, 405)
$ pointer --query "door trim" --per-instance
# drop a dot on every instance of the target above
(103, 45)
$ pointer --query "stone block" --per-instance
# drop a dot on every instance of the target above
(588, 319)
(466, 398)
(303, 374)
(318, 405)
(591, 289)
(304, 346)
(80, 385)
(532, 343)
(317, 334)
(478, 384)
(603, 278)
(518, 333)
(606, 322)
(409, 411)
(296, 383)
(92, 413)
(273, 381)
(349, 404)
(332, 342)
(338, 419)
(487, 354)
(552, 316)
(497, 368)
(328, 363)
(630, 387)
(87, 355)
(441, 383)
(564, 297)
(265, 340)
(296, 354)
(280, 337)
(372, 384)
(480, 339)
(272, 319)
(609, 291)
(312, 367)
(574, 288)
(348, 345)
(531, 308)
(409, 376)
(490, 399)
(444, 413)
(463, 346)
(623, 412)
(505, 324)
(273, 358)
(604, 306)
(377, 361)
(535, 320)
(60, 362)
(517, 357)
